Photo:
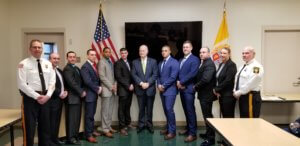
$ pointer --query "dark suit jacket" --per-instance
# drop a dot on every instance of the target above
(91, 82)
(123, 77)
(226, 79)
(168, 76)
(188, 72)
(206, 80)
(150, 76)
(57, 90)
(74, 84)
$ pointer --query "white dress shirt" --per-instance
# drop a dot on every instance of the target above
(250, 77)
(29, 80)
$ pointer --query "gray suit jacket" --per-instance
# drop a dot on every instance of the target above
(106, 74)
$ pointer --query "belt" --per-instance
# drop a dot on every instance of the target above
(41, 92)
(255, 92)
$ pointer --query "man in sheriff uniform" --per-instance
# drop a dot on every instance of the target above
(247, 85)
(36, 81)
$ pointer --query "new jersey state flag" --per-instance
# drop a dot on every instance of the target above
(221, 40)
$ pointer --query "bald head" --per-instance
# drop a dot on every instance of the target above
(54, 59)
(248, 53)
(143, 51)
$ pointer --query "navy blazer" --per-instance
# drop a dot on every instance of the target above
(188, 72)
(206, 80)
(150, 76)
(168, 76)
(91, 82)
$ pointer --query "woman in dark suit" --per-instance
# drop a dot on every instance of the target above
(225, 82)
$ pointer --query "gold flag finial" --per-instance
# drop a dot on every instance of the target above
(224, 8)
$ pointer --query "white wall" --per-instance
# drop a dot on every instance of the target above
(78, 17)
(5, 77)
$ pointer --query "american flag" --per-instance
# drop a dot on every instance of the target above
(102, 39)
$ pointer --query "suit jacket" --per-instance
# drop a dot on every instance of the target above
(188, 72)
(123, 77)
(150, 76)
(74, 84)
(107, 78)
(226, 79)
(57, 90)
(206, 80)
(91, 82)
(168, 75)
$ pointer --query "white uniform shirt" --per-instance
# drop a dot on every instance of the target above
(250, 78)
(29, 79)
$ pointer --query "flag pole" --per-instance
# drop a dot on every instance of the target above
(100, 17)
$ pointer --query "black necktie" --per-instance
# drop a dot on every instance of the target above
(56, 71)
(238, 78)
(41, 76)
(77, 70)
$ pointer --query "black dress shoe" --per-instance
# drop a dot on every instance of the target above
(131, 126)
(140, 129)
(74, 141)
(204, 136)
(150, 129)
(222, 143)
(208, 143)
(58, 142)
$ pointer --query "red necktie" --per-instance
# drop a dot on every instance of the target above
(95, 68)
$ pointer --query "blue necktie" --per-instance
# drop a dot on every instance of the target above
(182, 62)
(162, 66)
(109, 63)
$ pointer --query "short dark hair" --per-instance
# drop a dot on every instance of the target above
(70, 53)
(208, 50)
(34, 40)
(123, 49)
(50, 55)
(188, 42)
(167, 47)
(106, 48)
(89, 50)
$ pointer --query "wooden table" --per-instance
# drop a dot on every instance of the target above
(252, 132)
(8, 118)
(281, 98)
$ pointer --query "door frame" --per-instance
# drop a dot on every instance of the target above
(274, 28)
(26, 31)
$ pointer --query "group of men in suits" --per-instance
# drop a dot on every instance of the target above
(170, 77)
(142, 76)
(188, 76)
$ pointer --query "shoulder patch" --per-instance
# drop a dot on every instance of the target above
(21, 65)
(256, 70)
